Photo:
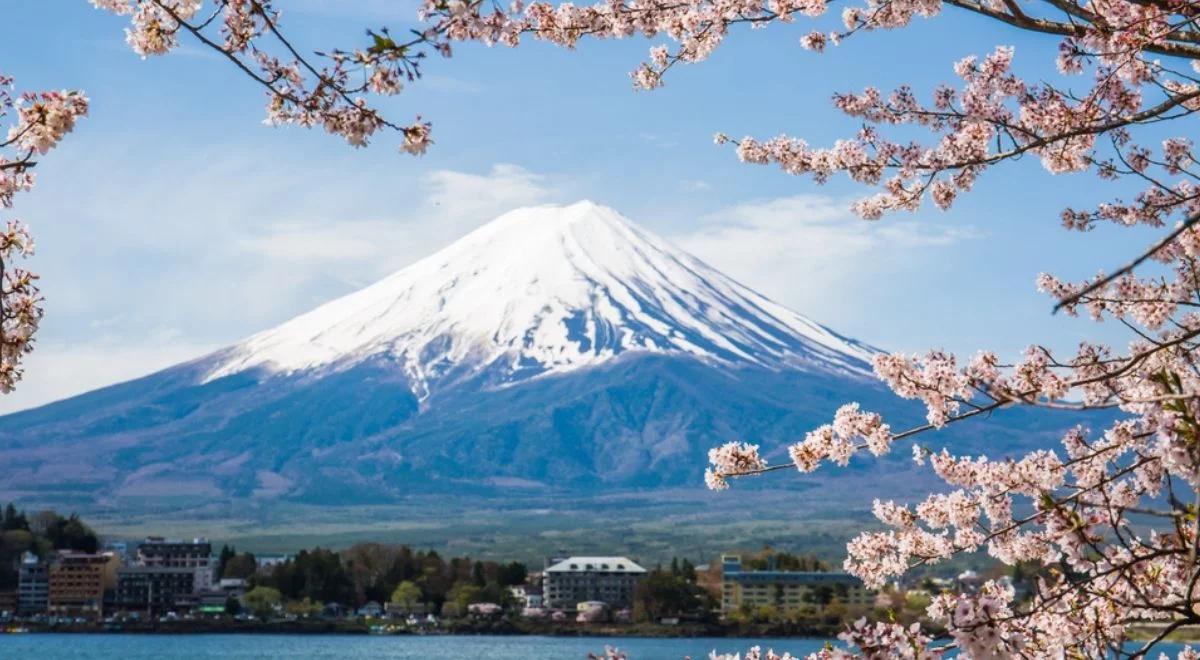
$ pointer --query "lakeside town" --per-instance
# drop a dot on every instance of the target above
(57, 574)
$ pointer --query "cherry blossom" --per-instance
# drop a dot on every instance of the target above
(328, 89)
(39, 121)
(732, 459)
(610, 653)
(754, 653)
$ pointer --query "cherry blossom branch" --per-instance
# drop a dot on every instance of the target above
(1131, 266)
(299, 92)
(42, 121)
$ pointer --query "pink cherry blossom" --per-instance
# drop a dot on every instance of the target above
(328, 90)
(40, 123)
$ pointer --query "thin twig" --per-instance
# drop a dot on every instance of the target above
(1129, 267)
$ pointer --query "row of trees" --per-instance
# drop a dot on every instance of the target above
(673, 592)
(381, 573)
(232, 564)
(782, 561)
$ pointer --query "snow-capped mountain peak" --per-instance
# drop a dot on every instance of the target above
(545, 290)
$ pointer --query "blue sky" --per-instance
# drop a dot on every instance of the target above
(172, 222)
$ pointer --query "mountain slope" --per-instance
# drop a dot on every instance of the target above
(541, 291)
(556, 349)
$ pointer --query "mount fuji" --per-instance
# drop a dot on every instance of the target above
(556, 349)
(544, 291)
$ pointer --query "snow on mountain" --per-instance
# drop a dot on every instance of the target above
(546, 290)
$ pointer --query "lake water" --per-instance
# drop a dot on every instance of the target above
(339, 647)
(336, 647)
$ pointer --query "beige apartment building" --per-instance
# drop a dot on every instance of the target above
(788, 590)
(77, 582)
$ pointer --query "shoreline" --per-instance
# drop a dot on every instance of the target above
(380, 628)
(495, 629)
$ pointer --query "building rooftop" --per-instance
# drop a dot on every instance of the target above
(794, 577)
(163, 539)
(74, 556)
(733, 571)
(126, 570)
(596, 565)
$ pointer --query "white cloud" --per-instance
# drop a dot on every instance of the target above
(454, 203)
(810, 253)
(462, 195)
(316, 241)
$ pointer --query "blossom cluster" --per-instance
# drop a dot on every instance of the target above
(40, 122)
(1067, 510)
(877, 640)
(837, 441)
(732, 459)
(754, 653)
(301, 92)
(610, 653)
(1074, 510)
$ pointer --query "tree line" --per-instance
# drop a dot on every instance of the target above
(379, 572)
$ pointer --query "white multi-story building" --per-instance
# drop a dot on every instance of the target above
(573, 580)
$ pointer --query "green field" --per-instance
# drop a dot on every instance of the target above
(652, 527)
